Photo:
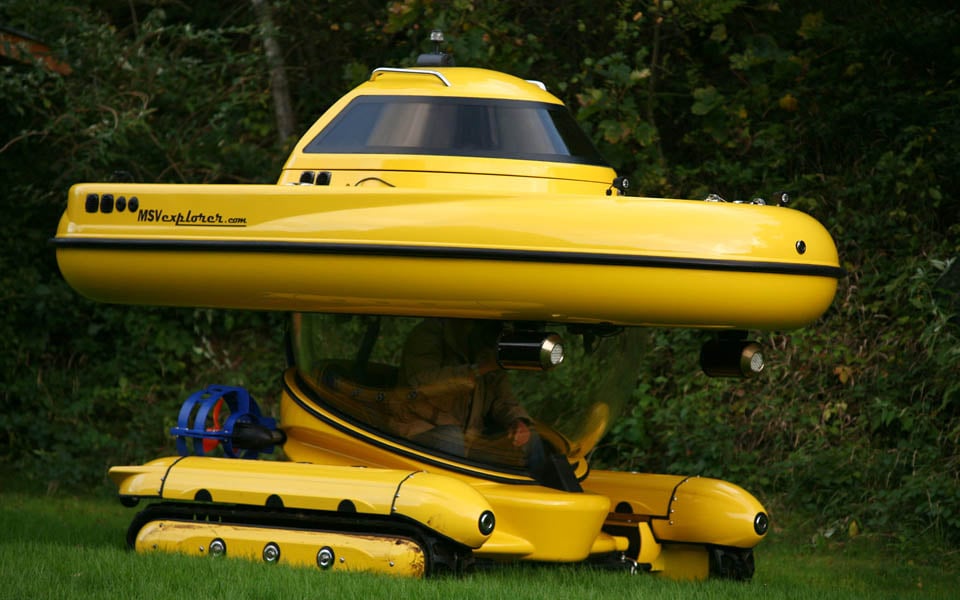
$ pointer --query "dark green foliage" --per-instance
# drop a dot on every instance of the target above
(86, 386)
(852, 107)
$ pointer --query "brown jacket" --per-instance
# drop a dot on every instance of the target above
(446, 390)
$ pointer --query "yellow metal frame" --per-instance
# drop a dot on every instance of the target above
(444, 236)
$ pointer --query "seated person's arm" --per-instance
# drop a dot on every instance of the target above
(507, 410)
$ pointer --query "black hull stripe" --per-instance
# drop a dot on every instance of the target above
(451, 252)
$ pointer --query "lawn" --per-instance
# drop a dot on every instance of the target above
(60, 546)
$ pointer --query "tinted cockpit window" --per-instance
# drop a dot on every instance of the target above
(456, 127)
(420, 381)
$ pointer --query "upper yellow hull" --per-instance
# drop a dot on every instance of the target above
(554, 257)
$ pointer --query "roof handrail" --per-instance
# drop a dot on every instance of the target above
(436, 74)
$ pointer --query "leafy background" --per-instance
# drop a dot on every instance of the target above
(852, 107)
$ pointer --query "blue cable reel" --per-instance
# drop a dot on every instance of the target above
(245, 429)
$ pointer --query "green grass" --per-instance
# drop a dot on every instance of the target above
(68, 547)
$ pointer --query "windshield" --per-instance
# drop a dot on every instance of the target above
(456, 127)
(436, 384)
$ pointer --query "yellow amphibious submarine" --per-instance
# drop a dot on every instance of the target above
(467, 283)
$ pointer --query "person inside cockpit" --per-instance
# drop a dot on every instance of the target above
(467, 404)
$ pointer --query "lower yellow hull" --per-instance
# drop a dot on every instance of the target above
(532, 522)
(384, 505)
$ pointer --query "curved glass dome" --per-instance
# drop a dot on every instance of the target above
(436, 384)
